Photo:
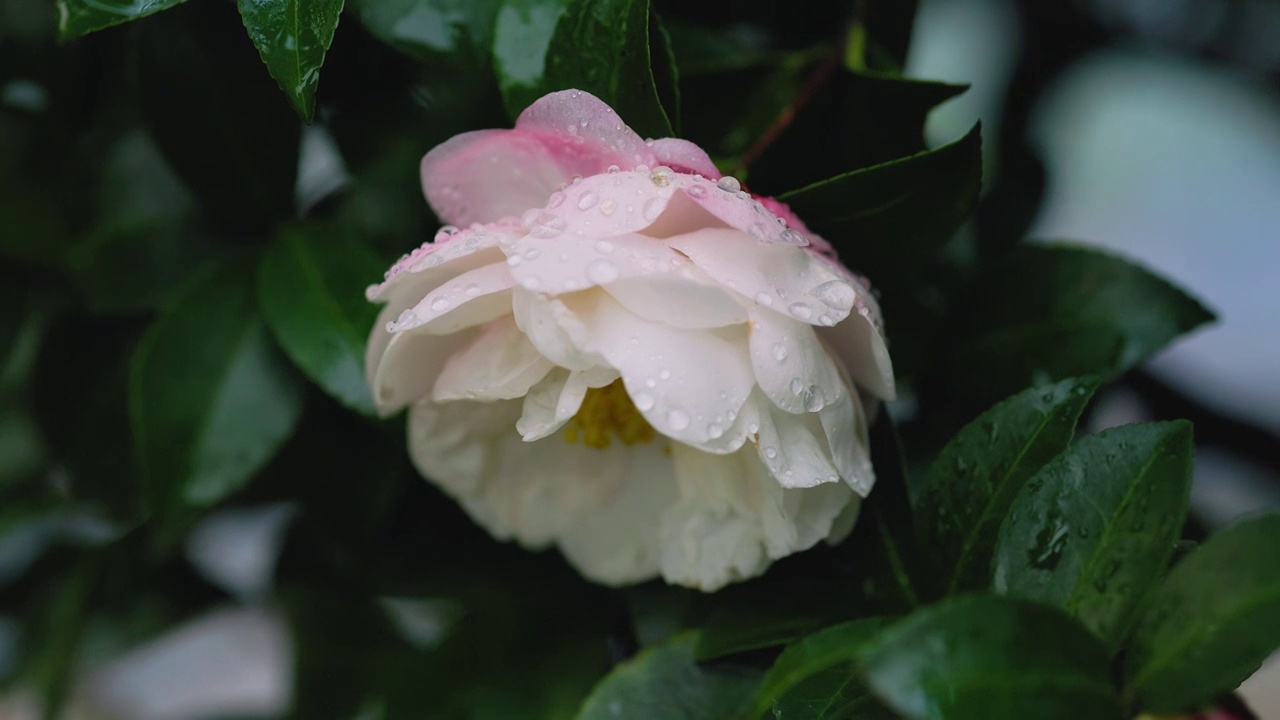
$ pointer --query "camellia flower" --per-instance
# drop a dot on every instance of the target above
(626, 355)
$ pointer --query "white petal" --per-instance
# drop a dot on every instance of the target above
(468, 299)
(689, 385)
(860, 348)
(683, 299)
(845, 425)
(790, 280)
(733, 519)
(602, 504)
(556, 398)
(568, 263)
(792, 447)
(408, 368)
(502, 364)
(619, 543)
(556, 329)
(792, 366)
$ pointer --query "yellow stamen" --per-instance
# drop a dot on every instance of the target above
(606, 412)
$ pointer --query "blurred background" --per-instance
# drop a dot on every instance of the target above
(1150, 127)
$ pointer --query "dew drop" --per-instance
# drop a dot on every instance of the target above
(530, 282)
(471, 290)
(779, 352)
(729, 183)
(556, 200)
(797, 386)
(664, 374)
(607, 207)
(826, 320)
(514, 260)
(587, 200)
(604, 247)
(601, 271)
(771, 452)
(441, 304)
(753, 427)
(836, 294)
(801, 311)
(715, 431)
(697, 192)
(643, 401)
(661, 176)
(791, 237)
(813, 399)
(652, 209)
(642, 168)
(612, 169)
(764, 298)
(677, 419)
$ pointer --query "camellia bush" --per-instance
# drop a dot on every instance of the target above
(693, 392)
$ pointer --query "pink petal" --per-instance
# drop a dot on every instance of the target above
(684, 156)
(486, 175)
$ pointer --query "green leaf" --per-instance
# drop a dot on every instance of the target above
(835, 646)
(841, 120)
(210, 398)
(521, 36)
(666, 682)
(1212, 622)
(81, 17)
(1094, 530)
(1046, 312)
(982, 657)
(604, 48)
(311, 287)
(292, 36)
(979, 474)
(738, 629)
(897, 214)
(437, 32)
(218, 118)
(836, 693)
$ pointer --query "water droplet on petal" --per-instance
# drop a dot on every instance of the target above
(697, 191)
(530, 282)
(661, 176)
(652, 209)
(587, 200)
(607, 207)
(753, 427)
(728, 183)
(514, 260)
(441, 304)
(813, 399)
(556, 200)
(601, 271)
(797, 386)
(771, 452)
(714, 431)
(791, 237)
(612, 169)
(677, 419)
(779, 352)
(604, 247)
(643, 401)
(664, 374)
(837, 294)
(642, 168)
(471, 290)
(801, 311)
